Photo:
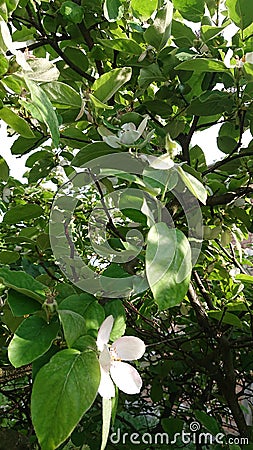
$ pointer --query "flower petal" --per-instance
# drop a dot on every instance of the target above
(112, 140)
(128, 348)
(142, 125)
(126, 377)
(105, 359)
(249, 57)
(106, 388)
(104, 333)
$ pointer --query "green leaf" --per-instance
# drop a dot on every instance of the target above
(226, 144)
(150, 74)
(209, 422)
(193, 184)
(24, 283)
(244, 278)
(241, 12)
(8, 257)
(106, 414)
(44, 106)
(73, 325)
(32, 338)
(7, 7)
(61, 95)
(229, 318)
(113, 10)
(72, 12)
(4, 63)
(64, 389)
(24, 145)
(117, 310)
(21, 304)
(87, 306)
(109, 83)
(4, 169)
(211, 103)
(202, 65)
(77, 57)
(143, 9)
(192, 10)
(16, 123)
(122, 45)
(168, 265)
(158, 33)
(98, 104)
(92, 151)
(22, 213)
(183, 35)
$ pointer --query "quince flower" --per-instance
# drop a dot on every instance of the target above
(248, 58)
(128, 134)
(112, 369)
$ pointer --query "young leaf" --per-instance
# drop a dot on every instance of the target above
(168, 265)
(194, 185)
(23, 282)
(16, 123)
(202, 65)
(73, 325)
(110, 82)
(4, 169)
(32, 339)
(43, 104)
(64, 389)
(158, 33)
(143, 9)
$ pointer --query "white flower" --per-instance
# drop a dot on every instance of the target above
(112, 369)
(248, 58)
(127, 135)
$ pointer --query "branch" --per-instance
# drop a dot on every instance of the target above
(228, 197)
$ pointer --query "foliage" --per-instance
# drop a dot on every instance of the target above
(148, 233)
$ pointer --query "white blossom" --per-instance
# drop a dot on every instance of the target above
(113, 370)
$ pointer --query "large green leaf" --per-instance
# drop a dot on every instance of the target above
(211, 103)
(42, 70)
(202, 65)
(193, 184)
(61, 95)
(4, 169)
(92, 151)
(22, 213)
(6, 7)
(64, 389)
(8, 257)
(21, 304)
(109, 83)
(143, 9)
(241, 12)
(122, 45)
(113, 10)
(168, 265)
(158, 33)
(24, 283)
(86, 306)
(192, 10)
(150, 74)
(41, 102)
(16, 123)
(73, 325)
(72, 12)
(23, 145)
(208, 421)
(32, 339)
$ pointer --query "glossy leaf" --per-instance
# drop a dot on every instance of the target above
(158, 33)
(45, 108)
(21, 304)
(58, 398)
(241, 12)
(192, 10)
(32, 338)
(61, 95)
(202, 65)
(22, 213)
(113, 10)
(16, 123)
(193, 184)
(109, 83)
(143, 9)
(92, 151)
(73, 325)
(22, 282)
(168, 265)
(4, 169)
